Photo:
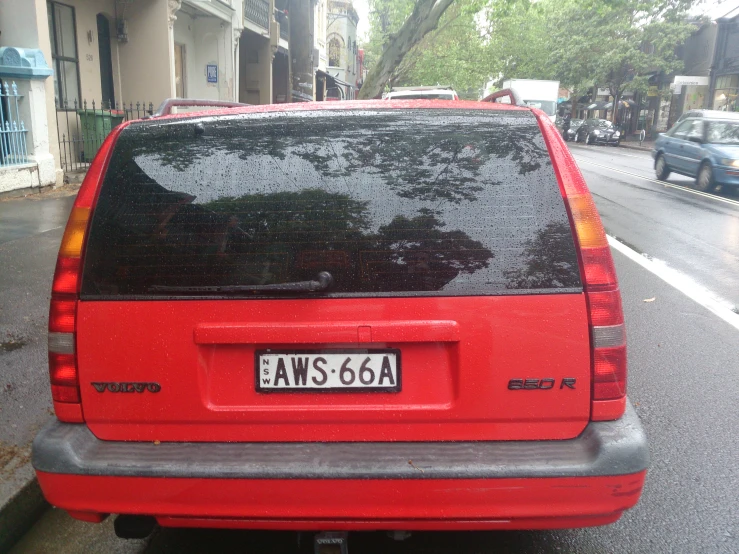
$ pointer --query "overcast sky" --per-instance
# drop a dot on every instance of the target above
(718, 8)
(362, 8)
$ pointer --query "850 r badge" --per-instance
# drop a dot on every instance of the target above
(541, 384)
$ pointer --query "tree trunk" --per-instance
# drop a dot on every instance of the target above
(423, 20)
(616, 99)
(573, 105)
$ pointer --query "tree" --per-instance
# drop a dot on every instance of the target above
(423, 19)
(516, 40)
(618, 44)
(574, 54)
(639, 40)
(450, 55)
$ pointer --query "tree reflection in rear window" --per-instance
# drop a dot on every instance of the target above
(390, 202)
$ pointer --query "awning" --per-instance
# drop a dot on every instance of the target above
(342, 83)
(335, 79)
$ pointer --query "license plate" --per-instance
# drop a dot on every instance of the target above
(345, 370)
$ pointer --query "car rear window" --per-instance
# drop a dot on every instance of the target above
(389, 202)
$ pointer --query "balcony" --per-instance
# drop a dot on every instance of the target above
(284, 27)
(283, 20)
(257, 12)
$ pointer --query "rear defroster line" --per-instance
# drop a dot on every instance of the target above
(665, 183)
(685, 284)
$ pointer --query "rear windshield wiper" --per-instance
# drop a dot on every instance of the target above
(323, 281)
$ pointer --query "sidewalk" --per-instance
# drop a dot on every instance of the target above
(632, 142)
(30, 231)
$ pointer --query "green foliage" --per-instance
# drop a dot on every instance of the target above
(449, 55)
(386, 17)
(616, 44)
(516, 40)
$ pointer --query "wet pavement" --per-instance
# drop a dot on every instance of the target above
(682, 381)
(30, 232)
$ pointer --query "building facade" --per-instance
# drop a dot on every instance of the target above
(342, 48)
(114, 60)
(100, 62)
(724, 88)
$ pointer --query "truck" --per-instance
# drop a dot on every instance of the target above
(537, 94)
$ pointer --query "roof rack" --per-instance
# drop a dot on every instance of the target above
(403, 89)
(165, 108)
(515, 99)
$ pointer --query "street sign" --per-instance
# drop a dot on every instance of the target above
(211, 71)
(653, 91)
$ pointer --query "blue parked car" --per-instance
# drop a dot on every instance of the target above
(705, 147)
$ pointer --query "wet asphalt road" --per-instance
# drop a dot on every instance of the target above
(683, 367)
(694, 233)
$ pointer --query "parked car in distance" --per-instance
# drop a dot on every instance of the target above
(422, 93)
(705, 147)
(339, 316)
(598, 131)
(572, 131)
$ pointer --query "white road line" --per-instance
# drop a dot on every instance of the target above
(646, 157)
(665, 183)
(713, 303)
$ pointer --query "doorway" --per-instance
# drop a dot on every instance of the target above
(179, 70)
(106, 63)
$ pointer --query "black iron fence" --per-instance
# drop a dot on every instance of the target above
(82, 128)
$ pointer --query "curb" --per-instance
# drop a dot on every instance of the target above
(20, 512)
(636, 147)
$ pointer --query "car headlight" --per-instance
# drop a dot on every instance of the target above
(729, 161)
(616, 134)
(596, 132)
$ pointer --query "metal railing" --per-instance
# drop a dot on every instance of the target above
(257, 11)
(13, 149)
(82, 128)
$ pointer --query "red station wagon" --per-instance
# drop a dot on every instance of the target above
(386, 315)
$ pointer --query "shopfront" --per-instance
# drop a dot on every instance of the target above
(725, 93)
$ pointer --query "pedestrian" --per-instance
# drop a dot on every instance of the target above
(566, 126)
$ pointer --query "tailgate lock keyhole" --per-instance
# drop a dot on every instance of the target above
(364, 333)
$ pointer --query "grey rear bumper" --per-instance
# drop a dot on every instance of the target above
(603, 449)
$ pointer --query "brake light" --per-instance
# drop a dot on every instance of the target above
(608, 337)
(63, 374)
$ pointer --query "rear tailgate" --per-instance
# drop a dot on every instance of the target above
(456, 299)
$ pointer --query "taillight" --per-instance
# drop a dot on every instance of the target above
(63, 374)
(608, 337)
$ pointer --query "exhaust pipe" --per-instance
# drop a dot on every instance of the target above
(134, 527)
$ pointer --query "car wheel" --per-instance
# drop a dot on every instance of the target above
(660, 167)
(704, 181)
